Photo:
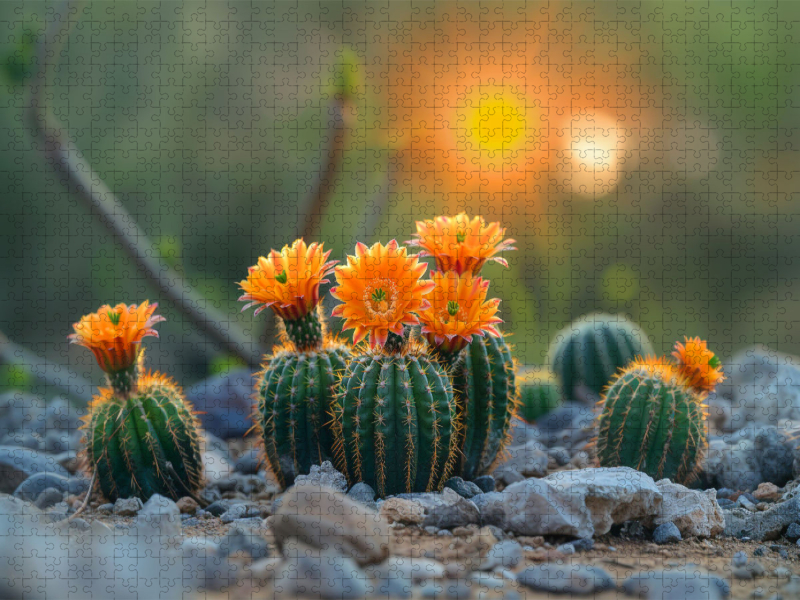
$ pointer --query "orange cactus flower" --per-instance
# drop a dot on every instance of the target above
(288, 281)
(458, 311)
(461, 244)
(701, 367)
(114, 335)
(381, 291)
(656, 366)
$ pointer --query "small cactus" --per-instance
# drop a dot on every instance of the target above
(586, 354)
(141, 435)
(396, 413)
(539, 394)
(654, 416)
(295, 389)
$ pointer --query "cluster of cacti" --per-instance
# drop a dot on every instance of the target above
(586, 354)
(296, 388)
(539, 394)
(461, 327)
(141, 435)
(654, 416)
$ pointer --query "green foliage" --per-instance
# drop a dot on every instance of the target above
(539, 394)
(587, 354)
(397, 421)
(224, 364)
(294, 412)
(145, 444)
(486, 395)
(18, 65)
(653, 423)
(16, 377)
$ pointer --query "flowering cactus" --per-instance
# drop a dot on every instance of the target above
(141, 435)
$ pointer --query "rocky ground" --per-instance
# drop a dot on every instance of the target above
(545, 522)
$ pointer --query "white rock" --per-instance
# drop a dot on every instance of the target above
(216, 466)
(531, 459)
(765, 387)
(695, 513)
(581, 503)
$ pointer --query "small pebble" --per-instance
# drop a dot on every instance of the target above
(739, 559)
(667, 533)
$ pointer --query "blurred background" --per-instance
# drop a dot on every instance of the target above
(641, 154)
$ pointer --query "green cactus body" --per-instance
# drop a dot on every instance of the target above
(653, 422)
(486, 395)
(146, 443)
(539, 394)
(398, 422)
(295, 394)
(588, 353)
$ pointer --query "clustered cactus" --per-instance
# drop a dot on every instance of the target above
(428, 389)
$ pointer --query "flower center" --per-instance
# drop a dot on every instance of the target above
(452, 308)
(461, 236)
(381, 300)
(114, 317)
(714, 362)
(282, 277)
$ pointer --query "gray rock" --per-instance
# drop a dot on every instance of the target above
(363, 492)
(689, 582)
(244, 539)
(580, 503)
(35, 484)
(324, 475)
(522, 433)
(249, 462)
(492, 586)
(324, 518)
(485, 482)
(667, 533)
(465, 489)
(219, 507)
(411, 569)
(765, 386)
(506, 554)
(322, 575)
(560, 455)
(695, 513)
(746, 503)
(24, 439)
(775, 454)
(793, 532)
(240, 511)
(739, 559)
(18, 464)
(530, 460)
(127, 507)
(507, 475)
(224, 403)
(733, 465)
(445, 510)
(566, 579)
(202, 558)
(49, 497)
(21, 411)
(764, 525)
(158, 505)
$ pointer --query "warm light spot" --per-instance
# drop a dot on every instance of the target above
(498, 123)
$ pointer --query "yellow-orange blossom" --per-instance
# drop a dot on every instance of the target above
(288, 281)
(114, 335)
(381, 291)
(698, 364)
(458, 310)
(461, 244)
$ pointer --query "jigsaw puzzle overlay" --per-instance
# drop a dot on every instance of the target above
(462, 300)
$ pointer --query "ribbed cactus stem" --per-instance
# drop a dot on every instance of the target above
(306, 332)
(124, 382)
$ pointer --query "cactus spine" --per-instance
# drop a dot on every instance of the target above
(485, 389)
(398, 421)
(294, 398)
(587, 354)
(539, 394)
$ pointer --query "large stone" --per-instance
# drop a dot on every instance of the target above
(566, 579)
(581, 503)
(689, 582)
(766, 525)
(775, 453)
(400, 510)
(21, 411)
(324, 475)
(324, 518)
(35, 484)
(733, 466)
(307, 573)
(17, 464)
(224, 403)
(694, 513)
(531, 459)
(444, 510)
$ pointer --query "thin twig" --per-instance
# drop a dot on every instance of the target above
(326, 179)
(171, 470)
(85, 503)
(56, 375)
(78, 177)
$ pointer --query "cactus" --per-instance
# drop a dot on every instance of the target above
(295, 389)
(398, 422)
(654, 416)
(140, 433)
(484, 384)
(539, 394)
(295, 394)
(587, 354)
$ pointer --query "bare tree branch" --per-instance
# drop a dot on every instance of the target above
(56, 375)
(78, 177)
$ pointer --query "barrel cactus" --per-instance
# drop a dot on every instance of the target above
(539, 394)
(396, 411)
(296, 387)
(587, 354)
(141, 435)
(654, 415)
